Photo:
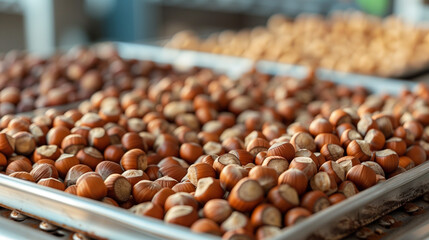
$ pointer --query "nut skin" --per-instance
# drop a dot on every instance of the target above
(387, 159)
(295, 215)
(362, 176)
(118, 187)
(208, 188)
(294, 178)
(315, 201)
(181, 215)
(266, 214)
(246, 195)
(148, 209)
(231, 175)
(52, 183)
(205, 225)
(144, 190)
(134, 159)
(283, 197)
(91, 185)
(64, 163)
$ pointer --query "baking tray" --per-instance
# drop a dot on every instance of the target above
(103, 221)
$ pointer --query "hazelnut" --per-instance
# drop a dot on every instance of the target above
(304, 164)
(348, 188)
(365, 124)
(320, 125)
(388, 160)
(64, 163)
(134, 159)
(336, 198)
(325, 138)
(144, 190)
(315, 201)
(296, 215)
(132, 140)
(161, 196)
(324, 182)
(166, 181)
(283, 149)
(278, 163)
(376, 139)
(266, 232)
(106, 168)
(25, 143)
(231, 174)
(200, 170)
(362, 176)
(396, 144)
(73, 143)
(18, 166)
(246, 195)
(375, 167)
(187, 187)
(91, 185)
(303, 140)
(213, 148)
(90, 157)
(359, 149)
(283, 197)
(52, 183)
(7, 144)
(46, 151)
(406, 162)
(134, 176)
(180, 198)
(257, 145)
(223, 160)
(217, 210)
(266, 215)
(266, 176)
(98, 138)
(181, 215)
(148, 209)
(44, 170)
(417, 154)
(190, 152)
(339, 116)
(114, 153)
(236, 220)
(118, 187)
(347, 162)
(243, 156)
(23, 175)
(206, 225)
(208, 188)
(74, 173)
(349, 135)
(332, 152)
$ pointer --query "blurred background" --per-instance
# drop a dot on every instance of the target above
(42, 26)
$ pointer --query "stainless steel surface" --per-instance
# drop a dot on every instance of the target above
(342, 219)
(84, 215)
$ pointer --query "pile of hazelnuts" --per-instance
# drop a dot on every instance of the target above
(234, 158)
(28, 82)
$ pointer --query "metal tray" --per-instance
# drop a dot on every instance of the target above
(103, 221)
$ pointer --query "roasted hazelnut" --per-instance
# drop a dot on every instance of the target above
(303, 140)
(246, 195)
(7, 144)
(107, 168)
(296, 215)
(348, 188)
(148, 209)
(114, 153)
(25, 143)
(206, 225)
(52, 183)
(349, 135)
(231, 174)
(396, 144)
(359, 149)
(266, 176)
(406, 162)
(144, 190)
(362, 176)
(266, 214)
(388, 160)
(118, 187)
(320, 125)
(208, 188)
(347, 162)
(181, 215)
(23, 175)
(325, 138)
(90, 157)
(74, 173)
(417, 154)
(304, 164)
(73, 143)
(46, 152)
(134, 159)
(236, 220)
(336, 198)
